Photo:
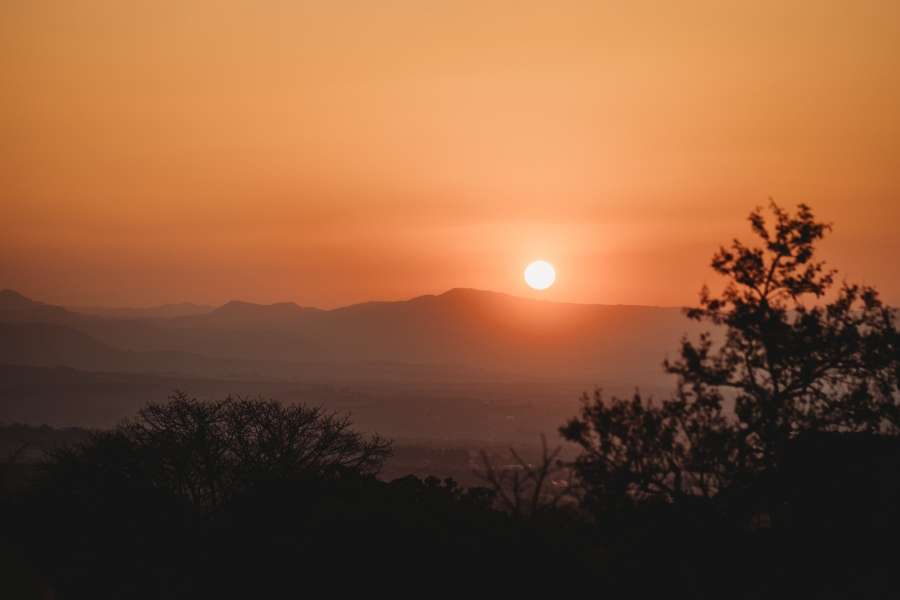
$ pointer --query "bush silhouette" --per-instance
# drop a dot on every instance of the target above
(206, 452)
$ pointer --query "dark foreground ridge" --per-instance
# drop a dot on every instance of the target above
(140, 512)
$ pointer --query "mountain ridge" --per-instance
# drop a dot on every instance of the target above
(475, 328)
(13, 300)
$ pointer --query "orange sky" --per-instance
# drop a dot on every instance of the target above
(342, 151)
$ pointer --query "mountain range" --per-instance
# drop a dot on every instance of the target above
(466, 364)
(467, 332)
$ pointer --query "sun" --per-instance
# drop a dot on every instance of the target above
(540, 275)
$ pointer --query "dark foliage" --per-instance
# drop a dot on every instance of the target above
(252, 499)
(788, 363)
(840, 483)
(207, 451)
(774, 469)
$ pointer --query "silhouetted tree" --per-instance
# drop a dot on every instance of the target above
(788, 362)
(208, 451)
(635, 450)
(527, 490)
(5, 467)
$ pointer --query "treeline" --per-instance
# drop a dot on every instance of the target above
(248, 498)
(251, 498)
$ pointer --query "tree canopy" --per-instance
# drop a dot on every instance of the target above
(789, 354)
(208, 451)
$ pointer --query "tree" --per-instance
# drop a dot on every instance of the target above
(528, 491)
(207, 451)
(788, 361)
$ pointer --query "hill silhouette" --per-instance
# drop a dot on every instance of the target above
(469, 328)
(11, 300)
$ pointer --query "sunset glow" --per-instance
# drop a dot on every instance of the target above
(332, 153)
(540, 275)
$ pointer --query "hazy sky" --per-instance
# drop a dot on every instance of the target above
(330, 152)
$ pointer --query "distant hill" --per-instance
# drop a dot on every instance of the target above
(465, 364)
(10, 300)
(51, 345)
(472, 329)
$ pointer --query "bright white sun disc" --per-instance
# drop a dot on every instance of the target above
(540, 275)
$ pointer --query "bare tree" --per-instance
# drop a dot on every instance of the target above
(526, 490)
